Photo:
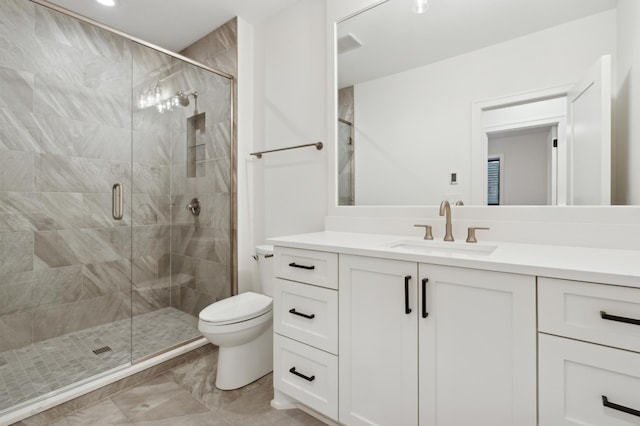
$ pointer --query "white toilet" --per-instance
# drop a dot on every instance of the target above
(242, 328)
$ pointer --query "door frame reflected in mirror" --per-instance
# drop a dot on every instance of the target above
(480, 131)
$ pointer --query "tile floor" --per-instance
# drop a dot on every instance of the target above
(33, 371)
(186, 395)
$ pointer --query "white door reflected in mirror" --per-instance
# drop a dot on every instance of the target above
(589, 136)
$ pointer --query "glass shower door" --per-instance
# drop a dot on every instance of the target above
(103, 143)
(182, 135)
(65, 237)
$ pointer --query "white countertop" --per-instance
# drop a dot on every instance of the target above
(620, 267)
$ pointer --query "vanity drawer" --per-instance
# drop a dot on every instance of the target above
(306, 313)
(599, 313)
(574, 376)
(306, 374)
(307, 266)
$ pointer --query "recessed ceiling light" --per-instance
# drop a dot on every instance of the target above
(109, 3)
(419, 6)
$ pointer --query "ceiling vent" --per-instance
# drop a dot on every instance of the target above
(347, 43)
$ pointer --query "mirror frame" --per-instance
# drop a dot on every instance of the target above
(340, 10)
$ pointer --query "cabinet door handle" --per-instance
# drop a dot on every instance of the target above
(300, 314)
(606, 403)
(295, 265)
(292, 370)
(407, 309)
(424, 297)
(606, 316)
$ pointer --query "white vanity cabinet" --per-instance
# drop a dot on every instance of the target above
(407, 333)
(305, 325)
(589, 353)
(435, 345)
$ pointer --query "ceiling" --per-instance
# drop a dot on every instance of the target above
(173, 24)
(394, 39)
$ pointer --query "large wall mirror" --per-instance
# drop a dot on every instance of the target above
(488, 102)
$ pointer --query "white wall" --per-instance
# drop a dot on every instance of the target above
(289, 108)
(247, 272)
(407, 145)
(626, 155)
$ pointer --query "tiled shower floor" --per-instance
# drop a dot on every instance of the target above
(37, 369)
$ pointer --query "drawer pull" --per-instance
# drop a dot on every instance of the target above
(295, 265)
(407, 309)
(424, 297)
(606, 316)
(606, 403)
(292, 370)
(294, 312)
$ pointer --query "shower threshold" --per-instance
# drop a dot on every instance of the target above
(44, 374)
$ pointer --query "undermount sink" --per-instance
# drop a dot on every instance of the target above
(442, 248)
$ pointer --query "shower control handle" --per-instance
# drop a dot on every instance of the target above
(292, 370)
(194, 207)
(117, 201)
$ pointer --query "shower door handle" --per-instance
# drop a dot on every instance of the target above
(117, 201)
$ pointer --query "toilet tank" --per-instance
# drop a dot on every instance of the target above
(264, 254)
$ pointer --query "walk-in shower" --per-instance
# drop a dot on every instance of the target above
(88, 288)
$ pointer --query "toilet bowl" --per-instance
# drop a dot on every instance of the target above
(242, 328)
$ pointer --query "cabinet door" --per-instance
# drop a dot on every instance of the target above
(378, 365)
(587, 384)
(477, 348)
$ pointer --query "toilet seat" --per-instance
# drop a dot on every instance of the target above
(235, 309)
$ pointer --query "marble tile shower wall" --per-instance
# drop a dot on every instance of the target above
(65, 119)
(201, 247)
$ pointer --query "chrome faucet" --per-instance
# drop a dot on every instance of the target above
(445, 210)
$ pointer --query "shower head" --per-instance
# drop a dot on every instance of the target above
(183, 98)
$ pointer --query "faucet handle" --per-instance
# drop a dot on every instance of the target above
(471, 233)
(427, 231)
